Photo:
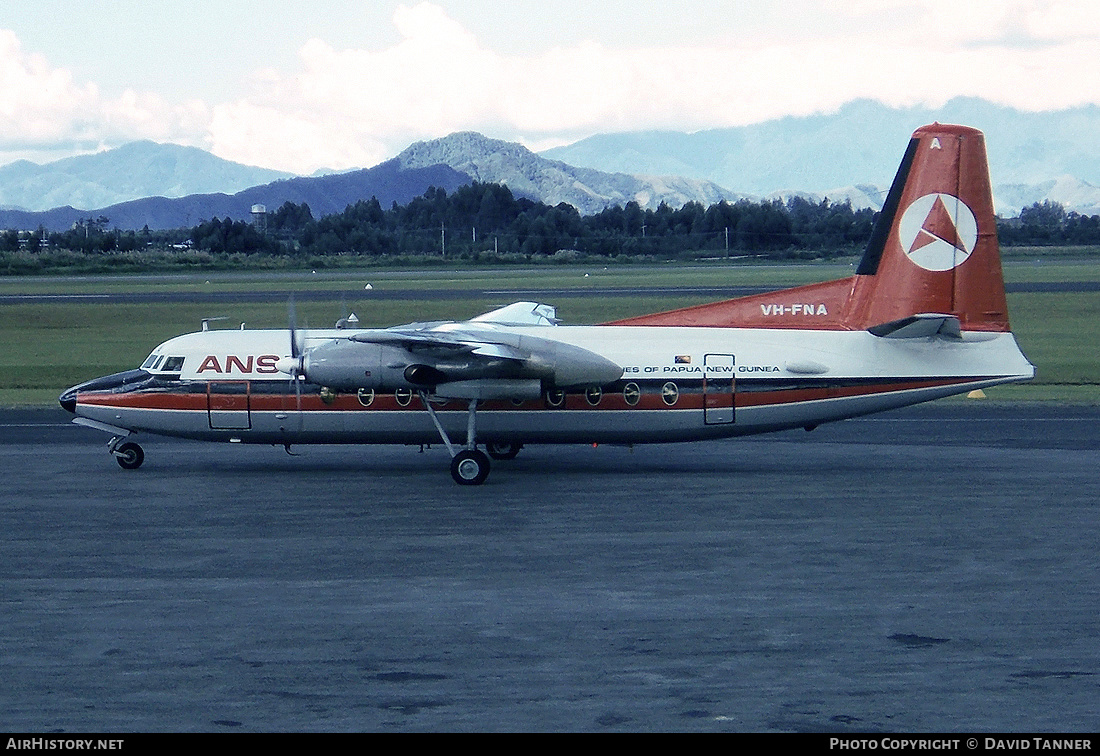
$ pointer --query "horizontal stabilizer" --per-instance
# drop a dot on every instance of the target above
(919, 327)
(521, 313)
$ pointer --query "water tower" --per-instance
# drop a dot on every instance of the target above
(259, 218)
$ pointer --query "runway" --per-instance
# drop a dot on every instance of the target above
(431, 294)
(929, 570)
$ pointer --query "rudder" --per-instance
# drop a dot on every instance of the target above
(934, 249)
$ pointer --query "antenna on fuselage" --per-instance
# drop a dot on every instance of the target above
(207, 321)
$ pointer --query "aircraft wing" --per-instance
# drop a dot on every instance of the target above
(483, 357)
(441, 341)
(476, 335)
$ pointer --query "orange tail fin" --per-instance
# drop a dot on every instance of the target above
(933, 250)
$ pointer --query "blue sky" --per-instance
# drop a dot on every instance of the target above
(298, 86)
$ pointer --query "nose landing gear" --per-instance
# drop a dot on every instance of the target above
(129, 455)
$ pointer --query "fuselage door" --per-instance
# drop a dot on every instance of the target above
(718, 383)
(228, 405)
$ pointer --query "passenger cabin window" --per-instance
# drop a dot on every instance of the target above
(172, 365)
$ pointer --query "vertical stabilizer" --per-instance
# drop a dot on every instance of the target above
(933, 251)
(934, 248)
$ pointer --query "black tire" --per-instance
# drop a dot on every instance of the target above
(470, 468)
(129, 456)
(503, 451)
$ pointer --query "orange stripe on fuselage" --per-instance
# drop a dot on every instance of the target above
(198, 402)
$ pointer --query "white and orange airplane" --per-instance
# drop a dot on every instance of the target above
(924, 317)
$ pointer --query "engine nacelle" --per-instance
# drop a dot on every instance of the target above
(566, 366)
(350, 365)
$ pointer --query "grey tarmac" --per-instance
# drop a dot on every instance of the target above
(929, 570)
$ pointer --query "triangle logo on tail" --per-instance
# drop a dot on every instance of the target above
(938, 231)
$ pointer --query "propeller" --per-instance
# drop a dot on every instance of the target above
(294, 366)
(295, 343)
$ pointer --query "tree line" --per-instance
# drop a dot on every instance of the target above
(1049, 224)
(487, 221)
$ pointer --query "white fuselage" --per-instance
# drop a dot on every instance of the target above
(678, 384)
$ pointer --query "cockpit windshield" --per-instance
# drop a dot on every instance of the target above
(159, 363)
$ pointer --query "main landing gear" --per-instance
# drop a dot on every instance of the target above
(469, 465)
(502, 451)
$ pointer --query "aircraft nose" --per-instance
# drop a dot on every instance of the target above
(68, 399)
(109, 383)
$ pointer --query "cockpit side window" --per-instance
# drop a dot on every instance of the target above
(148, 364)
(172, 365)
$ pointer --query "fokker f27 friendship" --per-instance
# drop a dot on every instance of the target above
(923, 317)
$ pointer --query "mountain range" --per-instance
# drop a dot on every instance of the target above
(552, 181)
(848, 155)
(388, 181)
(854, 152)
(129, 172)
(447, 163)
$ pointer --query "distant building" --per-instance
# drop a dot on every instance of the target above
(259, 218)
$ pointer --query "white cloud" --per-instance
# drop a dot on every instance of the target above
(1065, 20)
(356, 107)
(298, 140)
(43, 111)
(146, 115)
(39, 105)
(974, 22)
(342, 108)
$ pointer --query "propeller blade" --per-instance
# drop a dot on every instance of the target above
(298, 399)
(292, 320)
(295, 369)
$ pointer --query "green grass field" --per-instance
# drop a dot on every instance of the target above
(48, 347)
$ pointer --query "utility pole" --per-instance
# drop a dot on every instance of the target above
(443, 237)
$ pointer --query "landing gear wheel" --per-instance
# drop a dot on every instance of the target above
(129, 456)
(503, 451)
(470, 467)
